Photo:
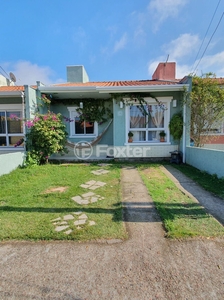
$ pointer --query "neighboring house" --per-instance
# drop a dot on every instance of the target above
(163, 96)
(11, 115)
(11, 127)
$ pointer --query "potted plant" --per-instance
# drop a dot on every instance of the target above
(130, 135)
(162, 135)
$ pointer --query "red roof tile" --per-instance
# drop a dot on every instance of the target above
(119, 83)
(11, 88)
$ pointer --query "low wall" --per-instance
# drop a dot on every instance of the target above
(10, 161)
(209, 160)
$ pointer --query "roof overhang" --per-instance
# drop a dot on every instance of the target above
(11, 94)
(69, 92)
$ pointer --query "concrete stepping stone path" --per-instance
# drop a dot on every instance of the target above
(100, 172)
(87, 198)
(92, 184)
(79, 217)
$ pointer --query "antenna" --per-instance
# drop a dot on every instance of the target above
(12, 77)
(167, 59)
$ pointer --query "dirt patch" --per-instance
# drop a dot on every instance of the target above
(59, 189)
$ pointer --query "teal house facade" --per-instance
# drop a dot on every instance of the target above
(141, 108)
(122, 119)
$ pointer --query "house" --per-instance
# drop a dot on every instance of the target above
(143, 107)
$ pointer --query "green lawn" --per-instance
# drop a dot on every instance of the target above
(27, 210)
(182, 216)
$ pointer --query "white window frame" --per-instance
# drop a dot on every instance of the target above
(11, 108)
(166, 101)
(72, 113)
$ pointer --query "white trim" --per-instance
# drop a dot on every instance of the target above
(152, 101)
(113, 89)
(147, 144)
(72, 110)
(11, 106)
(144, 88)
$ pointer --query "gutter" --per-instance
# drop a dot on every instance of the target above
(113, 89)
(144, 88)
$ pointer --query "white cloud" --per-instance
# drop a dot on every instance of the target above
(121, 43)
(164, 9)
(184, 45)
(211, 63)
(28, 73)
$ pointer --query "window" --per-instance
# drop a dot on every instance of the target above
(78, 128)
(11, 128)
(146, 127)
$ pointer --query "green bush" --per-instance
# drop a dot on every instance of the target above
(47, 135)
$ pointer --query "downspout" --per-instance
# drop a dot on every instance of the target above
(186, 119)
(23, 115)
(184, 132)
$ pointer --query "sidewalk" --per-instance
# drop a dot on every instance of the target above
(146, 266)
(213, 204)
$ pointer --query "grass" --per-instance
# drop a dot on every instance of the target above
(182, 216)
(209, 182)
(27, 211)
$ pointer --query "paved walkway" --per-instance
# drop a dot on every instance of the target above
(147, 266)
(213, 204)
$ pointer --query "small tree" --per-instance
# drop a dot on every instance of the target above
(47, 135)
(207, 106)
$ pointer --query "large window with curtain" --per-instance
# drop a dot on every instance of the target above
(146, 122)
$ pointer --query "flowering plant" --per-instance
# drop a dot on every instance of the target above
(47, 135)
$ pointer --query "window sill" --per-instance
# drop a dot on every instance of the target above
(147, 143)
(82, 136)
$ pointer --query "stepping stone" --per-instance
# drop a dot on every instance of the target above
(79, 222)
(61, 228)
(68, 217)
(91, 182)
(68, 231)
(104, 165)
(85, 202)
(85, 186)
(88, 194)
(93, 199)
(58, 219)
(100, 183)
(92, 223)
(100, 172)
(76, 198)
(93, 187)
(77, 213)
(63, 223)
(84, 217)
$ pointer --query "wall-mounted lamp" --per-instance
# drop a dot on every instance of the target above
(121, 104)
(81, 104)
(174, 103)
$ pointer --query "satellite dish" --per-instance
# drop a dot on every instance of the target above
(12, 77)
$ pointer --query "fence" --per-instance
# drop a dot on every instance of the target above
(209, 160)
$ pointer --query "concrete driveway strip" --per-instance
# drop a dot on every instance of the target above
(213, 204)
(146, 266)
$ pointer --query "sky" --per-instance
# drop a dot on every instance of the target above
(113, 40)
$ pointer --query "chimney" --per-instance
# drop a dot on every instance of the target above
(77, 74)
(165, 71)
